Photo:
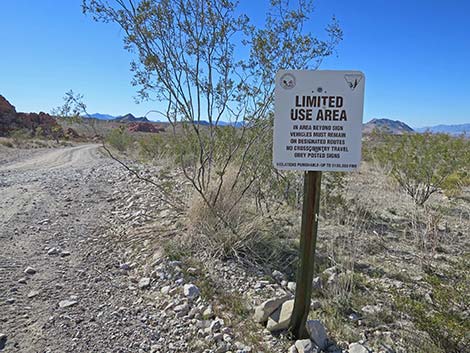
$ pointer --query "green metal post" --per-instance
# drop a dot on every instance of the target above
(308, 240)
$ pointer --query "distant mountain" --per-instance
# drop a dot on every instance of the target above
(237, 124)
(129, 118)
(101, 116)
(395, 127)
(447, 129)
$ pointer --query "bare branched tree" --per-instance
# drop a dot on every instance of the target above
(214, 71)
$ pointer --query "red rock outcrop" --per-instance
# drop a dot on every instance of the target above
(8, 120)
(38, 124)
(145, 127)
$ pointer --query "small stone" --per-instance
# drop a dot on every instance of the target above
(330, 271)
(64, 253)
(191, 291)
(165, 290)
(191, 270)
(53, 251)
(125, 267)
(353, 317)
(317, 283)
(67, 303)
(305, 346)
(292, 349)
(3, 340)
(280, 318)
(144, 283)
(315, 305)
(291, 286)
(22, 280)
(33, 293)
(357, 348)
(10, 300)
(317, 333)
(216, 325)
(218, 336)
(278, 275)
(183, 308)
(266, 308)
(30, 270)
(208, 313)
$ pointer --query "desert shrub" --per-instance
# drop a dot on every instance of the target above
(424, 163)
(228, 231)
(120, 139)
(444, 320)
(153, 147)
(332, 199)
(20, 136)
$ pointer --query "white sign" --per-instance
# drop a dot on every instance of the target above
(318, 120)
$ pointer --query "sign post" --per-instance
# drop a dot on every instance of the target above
(317, 127)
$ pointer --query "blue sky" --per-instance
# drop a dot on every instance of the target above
(415, 54)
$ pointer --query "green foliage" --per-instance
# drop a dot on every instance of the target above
(424, 163)
(153, 147)
(20, 136)
(188, 59)
(444, 320)
(120, 139)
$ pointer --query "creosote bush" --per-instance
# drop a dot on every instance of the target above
(120, 139)
(424, 163)
(188, 57)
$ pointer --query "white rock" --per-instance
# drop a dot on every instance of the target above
(279, 319)
(329, 271)
(317, 283)
(53, 251)
(216, 325)
(292, 349)
(165, 289)
(191, 291)
(317, 333)
(263, 311)
(33, 293)
(291, 286)
(30, 270)
(144, 283)
(357, 348)
(67, 303)
(305, 346)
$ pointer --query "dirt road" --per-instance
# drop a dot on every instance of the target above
(61, 287)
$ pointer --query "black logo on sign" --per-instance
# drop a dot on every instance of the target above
(353, 80)
(287, 81)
